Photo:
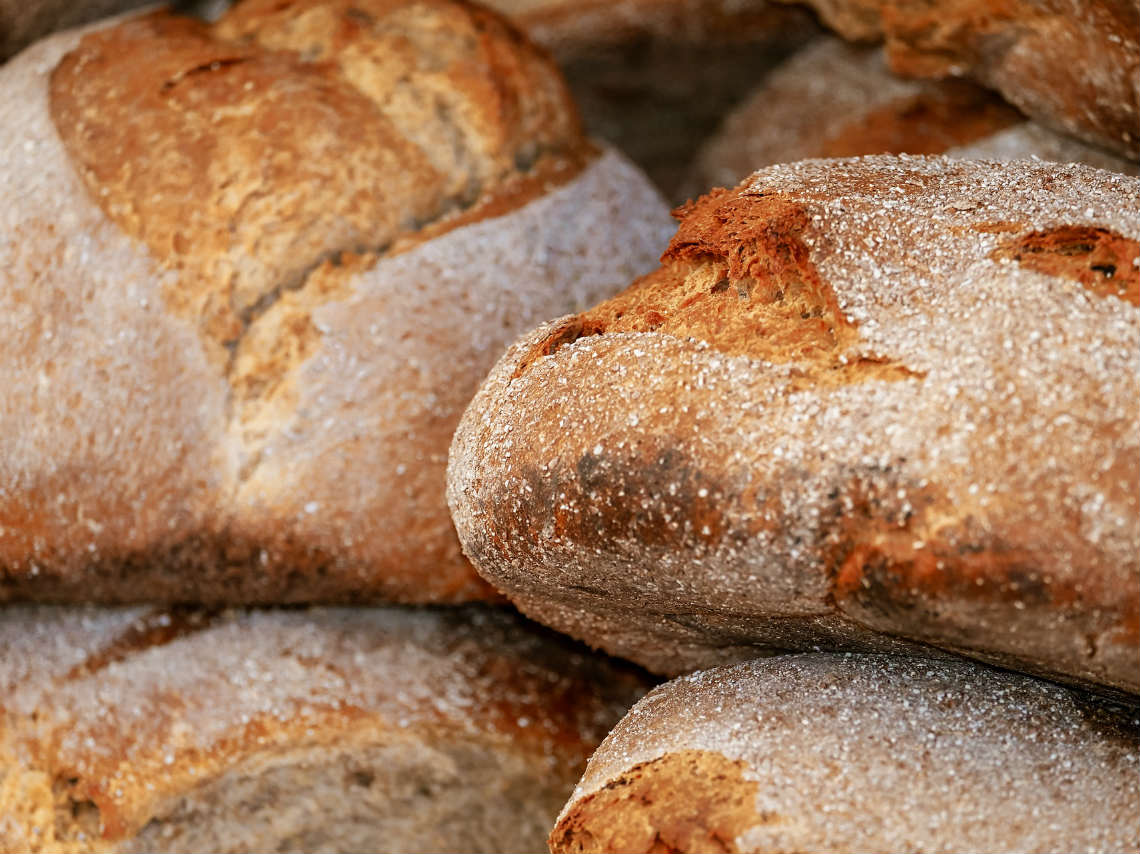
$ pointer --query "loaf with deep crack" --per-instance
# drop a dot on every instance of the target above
(250, 274)
(884, 403)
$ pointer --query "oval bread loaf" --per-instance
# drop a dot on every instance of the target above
(886, 403)
(859, 753)
(137, 729)
(833, 99)
(250, 274)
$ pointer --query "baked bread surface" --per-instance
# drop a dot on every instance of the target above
(859, 753)
(313, 730)
(884, 403)
(251, 273)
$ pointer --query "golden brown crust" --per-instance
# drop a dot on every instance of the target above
(885, 467)
(286, 136)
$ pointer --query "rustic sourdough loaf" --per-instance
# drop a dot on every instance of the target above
(250, 274)
(1073, 65)
(833, 99)
(859, 753)
(138, 729)
(885, 403)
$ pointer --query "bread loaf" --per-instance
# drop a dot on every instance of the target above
(859, 753)
(1073, 65)
(250, 274)
(833, 99)
(885, 403)
(139, 729)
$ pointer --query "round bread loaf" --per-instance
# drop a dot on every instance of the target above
(326, 730)
(859, 753)
(250, 274)
(833, 99)
(1073, 65)
(882, 403)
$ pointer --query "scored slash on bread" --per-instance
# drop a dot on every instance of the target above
(885, 403)
(859, 753)
(250, 274)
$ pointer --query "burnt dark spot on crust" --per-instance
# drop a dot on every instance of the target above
(1101, 260)
(627, 501)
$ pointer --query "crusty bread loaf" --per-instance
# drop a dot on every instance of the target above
(833, 99)
(860, 753)
(875, 403)
(1073, 65)
(251, 273)
(348, 730)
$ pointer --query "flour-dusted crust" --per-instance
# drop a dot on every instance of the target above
(834, 99)
(243, 302)
(175, 729)
(859, 753)
(1073, 65)
(881, 403)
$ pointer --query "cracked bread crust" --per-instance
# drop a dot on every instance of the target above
(1073, 65)
(122, 725)
(219, 428)
(859, 753)
(882, 403)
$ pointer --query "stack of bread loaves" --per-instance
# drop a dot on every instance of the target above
(883, 404)
(855, 461)
(250, 274)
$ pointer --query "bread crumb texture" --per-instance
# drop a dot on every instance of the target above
(841, 753)
(862, 399)
(252, 273)
(274, 729)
